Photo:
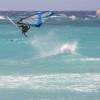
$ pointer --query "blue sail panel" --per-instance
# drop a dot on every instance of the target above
(36, 19)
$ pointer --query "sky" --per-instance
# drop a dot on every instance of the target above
(58, 5)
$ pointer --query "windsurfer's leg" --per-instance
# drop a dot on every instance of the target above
(24, 34)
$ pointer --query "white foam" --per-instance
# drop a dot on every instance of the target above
(54, 16)
(92, 16)
(59, 16)
(69, 48)
(63, 15)
(2, 18)
(87, 18)
(86, 82)
(73, 17)
(90, 59)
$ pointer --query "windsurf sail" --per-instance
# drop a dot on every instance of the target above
(36, 19)
(98, 12)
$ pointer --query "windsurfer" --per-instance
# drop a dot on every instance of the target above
(24, 28)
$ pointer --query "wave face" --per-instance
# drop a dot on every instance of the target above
(58, 61)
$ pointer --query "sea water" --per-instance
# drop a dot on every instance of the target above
(58, 61)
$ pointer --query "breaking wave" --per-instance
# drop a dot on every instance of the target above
(2, 17)
(69, 82)
(90, 59)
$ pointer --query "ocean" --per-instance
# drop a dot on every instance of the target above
(58, 61)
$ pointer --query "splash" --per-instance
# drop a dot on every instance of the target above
(69, 48)
(45, 46)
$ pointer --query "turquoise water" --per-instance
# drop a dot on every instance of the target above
(58, 61)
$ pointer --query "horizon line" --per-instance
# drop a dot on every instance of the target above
(48, 10)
